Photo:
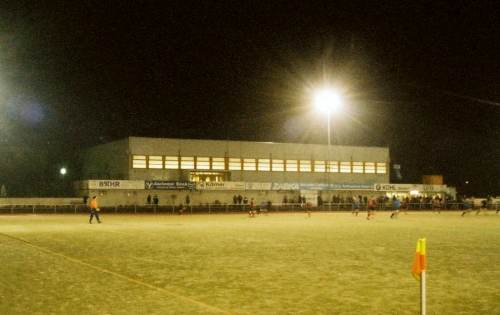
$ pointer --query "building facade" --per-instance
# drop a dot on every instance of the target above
(129, 170)
(137, 158)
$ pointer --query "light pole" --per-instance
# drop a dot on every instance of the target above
(328, 101)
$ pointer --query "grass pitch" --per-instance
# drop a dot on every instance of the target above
(331, 263)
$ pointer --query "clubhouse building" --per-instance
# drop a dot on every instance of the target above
(127, 171)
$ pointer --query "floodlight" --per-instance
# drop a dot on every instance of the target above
(327, 100)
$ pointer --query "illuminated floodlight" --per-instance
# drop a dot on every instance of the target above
(327, 100)
(63, 171)
(414, 192)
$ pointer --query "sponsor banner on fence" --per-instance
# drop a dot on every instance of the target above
(169, 185)
(313, 186)
(220, 186)
(394, 187)
(351, 186)
(410, 187)
(285, 186)
(258, 186)
(324, 186)
(116, 184)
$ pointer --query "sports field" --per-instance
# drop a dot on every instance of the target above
(331, 263)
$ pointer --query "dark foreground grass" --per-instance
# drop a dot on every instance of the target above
(276, 264)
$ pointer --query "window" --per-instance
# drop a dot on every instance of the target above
(187, 163)
(278, 165)
(138, 161)
(264, 165)
(218, 164)
(305, 165)
(291, 165)
(319, 166)
(202, 163)
(249, 165)
(155, 161)
(172, 162)
(357, 167)
(345, 167)
(381, 168)
(369, 168)
(332, 166)
(235, 164)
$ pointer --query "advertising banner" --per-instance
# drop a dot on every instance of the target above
(116, 184)
(220, 186)
(351, 186)
(394, 187)
(258, 186)
(285, 186)
(324, 186)
(313, 186)
(169, 185)
(409, 187)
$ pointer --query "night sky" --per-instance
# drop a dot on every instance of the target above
(422, 80)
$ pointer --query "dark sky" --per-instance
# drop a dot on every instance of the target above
(421, 79)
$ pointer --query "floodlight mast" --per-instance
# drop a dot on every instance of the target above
(329, 101)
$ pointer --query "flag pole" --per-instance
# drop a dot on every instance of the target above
(423, 291)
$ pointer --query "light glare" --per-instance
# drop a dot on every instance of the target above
(327, 100)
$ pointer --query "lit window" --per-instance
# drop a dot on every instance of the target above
(381, 168)
(319, 166)
(218, 164)
(305, 165)
(155, 161)
(138, 161)
(187, 163)
(249, 165)
(333, 167)
(278, 165)
(264, 165)
(235, 164)
(172, 162)
(369, 167)
(291, 165)
(357, 167)
(345, 167)
(202, 163)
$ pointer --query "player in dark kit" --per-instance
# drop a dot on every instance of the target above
(94, 210)
(396, 205)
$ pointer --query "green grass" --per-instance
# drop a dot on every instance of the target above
(276, 264)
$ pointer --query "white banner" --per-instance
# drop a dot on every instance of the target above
(220, 186)
(116, 184)
(285, 186)
(257, 186)
(410, 187)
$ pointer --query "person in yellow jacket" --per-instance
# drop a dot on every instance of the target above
(94, 210)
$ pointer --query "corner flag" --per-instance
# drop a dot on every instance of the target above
(420, 259)
(418, 272)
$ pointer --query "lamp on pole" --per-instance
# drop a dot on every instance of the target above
(328, 101)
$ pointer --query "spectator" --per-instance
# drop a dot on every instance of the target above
(148, 199)
(156, 200)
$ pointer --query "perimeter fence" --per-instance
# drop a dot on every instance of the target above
(209, 208)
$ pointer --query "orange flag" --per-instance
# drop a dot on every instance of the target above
(420, 259)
